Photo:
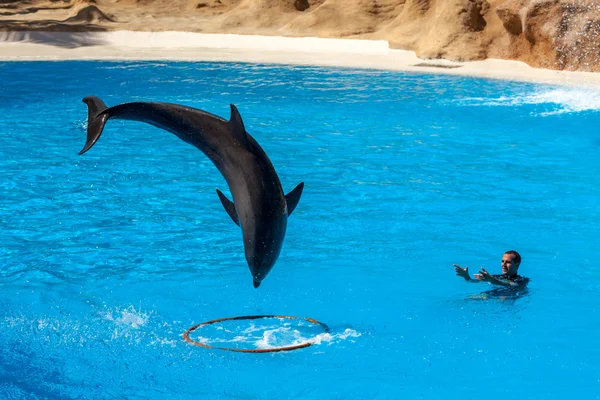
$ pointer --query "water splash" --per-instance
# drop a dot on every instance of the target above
(562, 100)
(127, 323)
(330, 338)
(119, 324)
(128, 317)
(279, 337)
(271, 336)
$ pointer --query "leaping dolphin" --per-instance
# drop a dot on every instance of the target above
(259, 206)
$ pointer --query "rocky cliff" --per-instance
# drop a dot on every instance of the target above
(555, 34)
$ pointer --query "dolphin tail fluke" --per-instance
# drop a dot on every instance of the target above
(96, 121)
(293, 197)
(229, 207)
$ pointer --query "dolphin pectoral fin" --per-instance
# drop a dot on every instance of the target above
(237, 126)
(229, 207)
(96, 121)
(293, 197)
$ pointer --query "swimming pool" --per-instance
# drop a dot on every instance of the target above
(107, 258)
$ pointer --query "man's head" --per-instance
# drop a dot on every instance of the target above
(510, 262)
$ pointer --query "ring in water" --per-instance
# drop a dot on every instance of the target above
(304, 344)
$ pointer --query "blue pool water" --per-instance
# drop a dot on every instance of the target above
(107, 258)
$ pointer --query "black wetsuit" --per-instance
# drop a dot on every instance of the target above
(517, 289)
(516, 280)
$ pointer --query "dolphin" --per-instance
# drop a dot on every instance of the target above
(259, 205)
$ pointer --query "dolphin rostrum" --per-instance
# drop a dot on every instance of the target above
(259, 206)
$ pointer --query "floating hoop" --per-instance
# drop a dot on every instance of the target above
(186, 335)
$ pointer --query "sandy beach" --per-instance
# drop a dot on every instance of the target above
(188, 46)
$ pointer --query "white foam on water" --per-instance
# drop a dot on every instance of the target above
(253, 328)
(280, 337)
(293, 337)
(330, 339)
(563, 100)
(205, 340)
(134, 326)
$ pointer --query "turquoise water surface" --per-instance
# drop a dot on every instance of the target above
(107, 258)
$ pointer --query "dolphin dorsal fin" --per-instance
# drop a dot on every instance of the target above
(237, 126)
(229, 207)
(293, 197)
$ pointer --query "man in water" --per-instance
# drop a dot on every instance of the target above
(509, 277)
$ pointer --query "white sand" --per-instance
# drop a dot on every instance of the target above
(373, 54)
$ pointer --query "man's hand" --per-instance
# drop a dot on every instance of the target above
(483, 275)
(462, 272)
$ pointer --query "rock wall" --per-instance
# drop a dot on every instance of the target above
(555, 34)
